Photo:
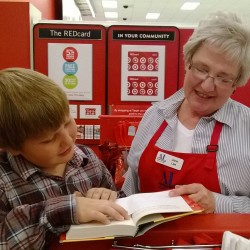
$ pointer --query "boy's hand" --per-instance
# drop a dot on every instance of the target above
(101, 194)
(99, 210)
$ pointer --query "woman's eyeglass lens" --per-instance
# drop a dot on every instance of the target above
(203, 75)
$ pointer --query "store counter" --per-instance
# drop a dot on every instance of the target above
(194, 229)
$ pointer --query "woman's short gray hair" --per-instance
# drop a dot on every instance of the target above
(229, 34)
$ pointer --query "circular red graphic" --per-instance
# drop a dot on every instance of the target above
(70, 54)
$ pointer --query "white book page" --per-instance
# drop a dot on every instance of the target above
(157, 202)
(97, 229)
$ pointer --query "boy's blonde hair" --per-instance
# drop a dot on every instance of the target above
(30, 103)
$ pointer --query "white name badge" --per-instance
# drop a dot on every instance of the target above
(169, 160)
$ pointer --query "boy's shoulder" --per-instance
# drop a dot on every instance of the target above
(85, 149)
(3, 158)
(4, 163)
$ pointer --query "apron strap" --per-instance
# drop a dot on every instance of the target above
(158, 132)
(213, 147)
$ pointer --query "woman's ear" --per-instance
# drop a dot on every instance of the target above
(235, 87)
(187, 66)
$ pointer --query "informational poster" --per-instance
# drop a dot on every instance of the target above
(142, 73)
(90, 111)
(73, 111)
(70, 66)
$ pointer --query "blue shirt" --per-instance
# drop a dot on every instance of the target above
(233, 156)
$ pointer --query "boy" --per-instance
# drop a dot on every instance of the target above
(46, 182)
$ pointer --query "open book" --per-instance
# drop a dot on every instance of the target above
(146, 211)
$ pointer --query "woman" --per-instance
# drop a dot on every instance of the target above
(197, 141)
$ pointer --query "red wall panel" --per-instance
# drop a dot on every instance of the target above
(15, 29)
(184, 35)
(15, 34)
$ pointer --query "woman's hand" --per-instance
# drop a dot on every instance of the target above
(198, 193)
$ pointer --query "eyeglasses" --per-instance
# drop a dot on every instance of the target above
(203, 75)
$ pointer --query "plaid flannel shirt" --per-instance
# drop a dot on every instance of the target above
(35, 207)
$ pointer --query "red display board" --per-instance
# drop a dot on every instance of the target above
(143, 64)
(76, 55)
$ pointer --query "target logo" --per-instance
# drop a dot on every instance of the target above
(142, 85)
(134, 91)
(135, 67)
(135, 60)
(141, 61)
(150, 92)
(143, 67)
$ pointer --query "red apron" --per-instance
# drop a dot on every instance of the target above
(196, 168)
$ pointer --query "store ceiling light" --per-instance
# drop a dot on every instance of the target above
(111, 14)
(91, 8)
(85, 7)
(190, 5)
(152, 15)
(106, 4)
